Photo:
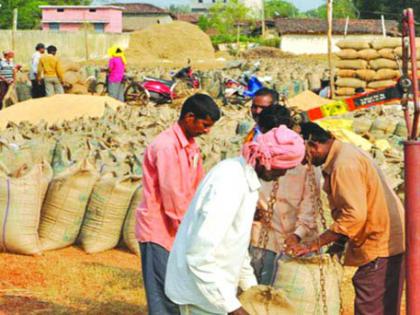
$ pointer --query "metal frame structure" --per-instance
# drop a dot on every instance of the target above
(410, 87)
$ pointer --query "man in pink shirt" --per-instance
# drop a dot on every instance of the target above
(172, 170)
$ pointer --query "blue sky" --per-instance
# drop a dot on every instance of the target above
(302, 5)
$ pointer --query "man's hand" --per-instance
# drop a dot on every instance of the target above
(239, 311)
(291, 244)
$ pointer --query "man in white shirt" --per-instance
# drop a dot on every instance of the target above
(209, 258)
(38, 88)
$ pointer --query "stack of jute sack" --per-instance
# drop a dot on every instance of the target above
(75, 78)
(79, 181)
(368, 65)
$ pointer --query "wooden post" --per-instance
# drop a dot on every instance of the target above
(383, 26)
(330, 56)
(262, 18)
(346, 27)
(14, 28)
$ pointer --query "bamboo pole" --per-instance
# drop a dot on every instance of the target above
(262, 18)
(330, 56)
(14, 28)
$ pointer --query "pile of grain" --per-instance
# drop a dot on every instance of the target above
(265, 52)
(177, 41)
(368, 64)
(57, 108)
(306, 101)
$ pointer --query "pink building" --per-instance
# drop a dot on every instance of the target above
(69, 18)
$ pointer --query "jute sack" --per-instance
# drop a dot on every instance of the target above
(383, 63)
(129, 235)
(65, 205)
(71, 77)
(265, 300)
(353, 44)
(386, 74)
(361, 125)
(13, 156)
(389, 42)
(399, 52)
(366, 75)
(106, 211)
(387, 53)
(352, 64)
(346, 73)
(300, 280)
(384, 124)
(21, 199)
(345, 91)
(368, 54)
(347, 54)
(381, 84)
(351, 82)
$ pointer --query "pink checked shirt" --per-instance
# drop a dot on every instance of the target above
(172, 170)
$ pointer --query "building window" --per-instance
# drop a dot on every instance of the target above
(54, 27)
(99, 27)
(92, 10)
(200, 1)
(60, 10)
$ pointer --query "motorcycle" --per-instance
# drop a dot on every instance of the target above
(239, 91)
(160, 91)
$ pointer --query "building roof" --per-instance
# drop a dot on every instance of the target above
(319, 26)
(187, 17)
(81, 7)
(144, 8)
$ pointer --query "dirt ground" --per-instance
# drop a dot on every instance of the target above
(68, 281)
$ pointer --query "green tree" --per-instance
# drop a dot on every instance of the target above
(281, 8)
(341, 9)
(29, 13)
(226, 17)
(389, 8)
(173, 8)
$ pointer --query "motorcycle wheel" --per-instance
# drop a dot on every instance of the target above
(135, 94)
(100, 89)
(159, 99)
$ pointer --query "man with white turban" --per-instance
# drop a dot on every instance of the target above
(210, 259)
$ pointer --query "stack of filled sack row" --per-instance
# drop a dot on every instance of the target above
(368, 65)
(79, 182)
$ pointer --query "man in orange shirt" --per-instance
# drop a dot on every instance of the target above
(365, 210)
(172, 170)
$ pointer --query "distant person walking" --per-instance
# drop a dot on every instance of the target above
(116, 70)
(38, 88)
(50, 68)
(7, 73)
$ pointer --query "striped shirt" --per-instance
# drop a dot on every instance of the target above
(7, 69)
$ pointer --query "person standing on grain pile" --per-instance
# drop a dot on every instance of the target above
(210, 258)
(50, 69)
(365, 210)
(265, 97)
(293, 219)
(38, 88)
(7, 73)
(116, 70)
(172, 170)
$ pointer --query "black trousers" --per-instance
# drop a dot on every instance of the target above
(38, 89)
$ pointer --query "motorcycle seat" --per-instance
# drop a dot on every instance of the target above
(166, 82)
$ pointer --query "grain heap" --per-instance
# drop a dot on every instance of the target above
(367, 64)
(177, 41)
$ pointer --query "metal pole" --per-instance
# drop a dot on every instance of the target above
(412, 225)
(330, 56)
(412, 180)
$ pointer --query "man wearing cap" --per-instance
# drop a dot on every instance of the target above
(209, 258)
(7, 73)
(38, 88)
